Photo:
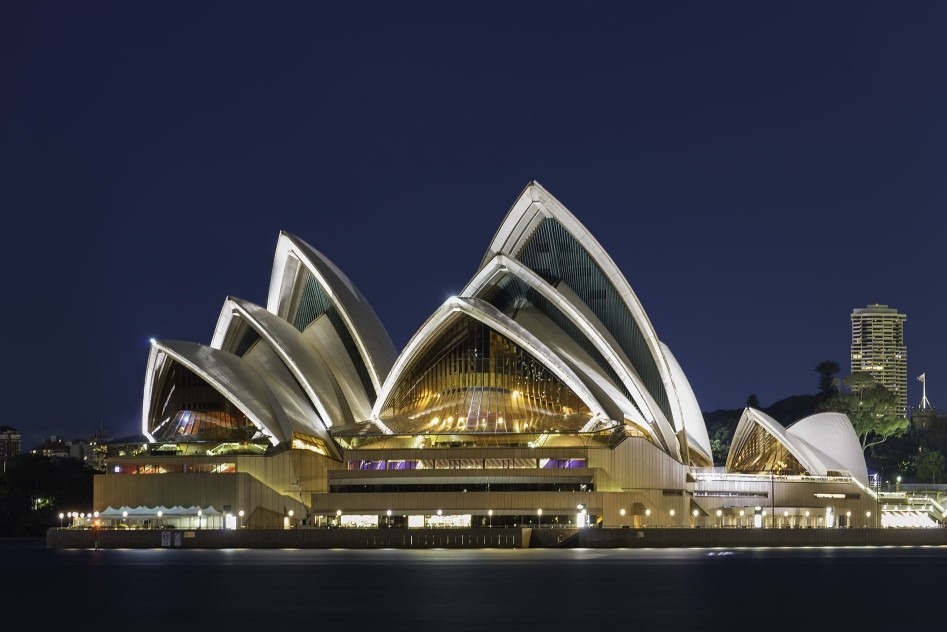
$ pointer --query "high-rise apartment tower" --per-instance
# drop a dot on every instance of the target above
(878, 348)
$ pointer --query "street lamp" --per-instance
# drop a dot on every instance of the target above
(897, 486)
(61, 516)
(199, 514)
(388, 513)
(622, 513)
(741, 518)
(490, 517)
(807, 519)
(867, 517)
(159, 518)
(539, 517)
(338, 517)
(719, 517)
(672, 517)
(647, 517)
(240, 513)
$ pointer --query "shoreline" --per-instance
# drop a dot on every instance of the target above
(487, 538)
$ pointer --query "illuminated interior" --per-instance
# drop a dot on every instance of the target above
(763, 452)
(471, 379)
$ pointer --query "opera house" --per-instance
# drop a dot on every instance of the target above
(540, 395)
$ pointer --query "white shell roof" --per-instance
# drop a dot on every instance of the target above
(229, 376)
(530, 209)
(831, 440)
(577, 312)
(370, 335)
(822, 443)
(694, 425)
(300, 357)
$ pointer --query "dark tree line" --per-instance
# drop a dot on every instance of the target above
(35, 489)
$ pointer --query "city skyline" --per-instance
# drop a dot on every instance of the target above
(738, 164)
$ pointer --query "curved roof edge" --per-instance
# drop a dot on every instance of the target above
(534, 204)
(752, 417)
(300, 357)
(832, 440)
(374, 344)
(601, 338)
(822, 443)
(694, 424)
(225, 373)
(493, 318)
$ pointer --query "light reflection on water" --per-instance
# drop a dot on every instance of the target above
(494, 589)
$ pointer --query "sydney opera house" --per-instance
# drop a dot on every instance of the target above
(541, 394)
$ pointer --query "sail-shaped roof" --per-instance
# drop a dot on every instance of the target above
(306, 289)
(823, 444)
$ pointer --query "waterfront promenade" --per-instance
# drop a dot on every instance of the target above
(507, 538)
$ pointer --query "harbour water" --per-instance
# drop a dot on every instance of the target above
(869, 588)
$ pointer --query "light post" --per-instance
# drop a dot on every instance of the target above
(240, 513)
(621, 512)
(647, 517)
(539, 517)
(694, 521)
(897, 484)
(292, 525)
(388, 514)
(764, 518)
(124, 516)
(490, 518)
(159, 518)
(741, 518)
(338, 518)
(199, 514)
(807, 520)
(867, 518)
(848, 519)
(719, 518)
(672, 518)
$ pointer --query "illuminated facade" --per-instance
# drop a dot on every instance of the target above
(878, 348)
(541, 394)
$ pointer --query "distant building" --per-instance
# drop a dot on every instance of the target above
(53, 447)
(878, 348)
(90, 451)
(10, 445)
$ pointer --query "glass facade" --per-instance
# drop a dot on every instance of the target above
(192, 410)
(313, 303)
(555, 255)
(472, 379)
(511, 293)
(763, 452)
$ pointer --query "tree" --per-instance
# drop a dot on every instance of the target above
(929, 464)
(871, 408)
(827, 370)
(753, 401)
(35, 488)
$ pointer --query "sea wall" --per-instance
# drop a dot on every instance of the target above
(304, 538)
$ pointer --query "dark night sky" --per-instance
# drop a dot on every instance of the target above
(757, 170)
